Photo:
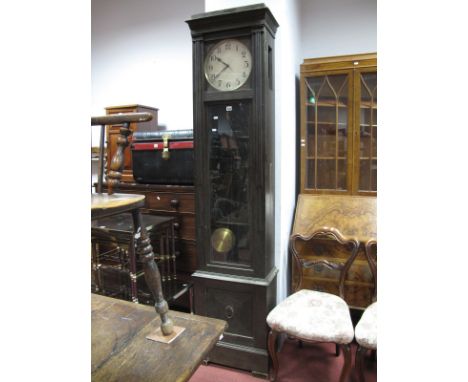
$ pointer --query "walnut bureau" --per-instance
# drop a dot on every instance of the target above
(352, 216)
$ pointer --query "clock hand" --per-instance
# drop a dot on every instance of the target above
(222, 70)
(222, 62)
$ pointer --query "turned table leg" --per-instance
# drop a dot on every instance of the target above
(152, 275)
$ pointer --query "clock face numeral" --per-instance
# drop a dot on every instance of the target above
(228, 65)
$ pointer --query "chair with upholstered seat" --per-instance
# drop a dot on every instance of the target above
(314, 316)
(104, 205)
(366, 329)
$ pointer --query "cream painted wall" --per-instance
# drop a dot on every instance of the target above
(337, 27)
(141, 52)
(287, 63)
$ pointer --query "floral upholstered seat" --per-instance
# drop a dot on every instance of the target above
(366, 329)
(314, 316)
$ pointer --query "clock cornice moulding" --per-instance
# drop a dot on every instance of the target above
(257, 15)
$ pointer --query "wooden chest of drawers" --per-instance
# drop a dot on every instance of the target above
(176, 201)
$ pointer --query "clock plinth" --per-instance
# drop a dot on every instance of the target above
(233, 84)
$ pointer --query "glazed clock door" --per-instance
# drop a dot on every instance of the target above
(228, 143)
(327, 147)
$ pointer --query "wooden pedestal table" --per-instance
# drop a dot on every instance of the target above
(103, 206)
(121, 351)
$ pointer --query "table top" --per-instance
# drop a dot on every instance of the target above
(352, 215)
(121, 351)
(107, 205)
(124, 222)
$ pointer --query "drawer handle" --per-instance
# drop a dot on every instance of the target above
(175, 203)
(176, 226)
(229, 310)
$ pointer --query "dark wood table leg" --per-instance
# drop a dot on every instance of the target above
(152, 275)
(133, 271)
(191, 299)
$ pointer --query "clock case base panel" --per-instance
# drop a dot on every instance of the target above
(244, 303)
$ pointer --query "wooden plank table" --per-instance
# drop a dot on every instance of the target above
(121, 351)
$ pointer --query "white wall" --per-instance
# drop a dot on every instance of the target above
(337, 27)
(286, 72)
(141, 52)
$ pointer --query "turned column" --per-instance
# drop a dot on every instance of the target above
(143, 247)
(152, 276)
(114, 174)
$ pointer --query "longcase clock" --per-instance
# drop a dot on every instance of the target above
(233, 106)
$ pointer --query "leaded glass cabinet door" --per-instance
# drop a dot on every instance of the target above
(339, 125)
(366, 132)
(327, 136)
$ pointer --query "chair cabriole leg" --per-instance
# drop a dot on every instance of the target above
(272, 351)
(347, 362)
(360, 354)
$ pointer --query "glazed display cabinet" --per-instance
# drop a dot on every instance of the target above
(339, 125)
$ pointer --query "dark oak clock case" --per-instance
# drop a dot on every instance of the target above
(234, 181)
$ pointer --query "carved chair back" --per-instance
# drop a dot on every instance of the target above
(321, 243)
(371, 255)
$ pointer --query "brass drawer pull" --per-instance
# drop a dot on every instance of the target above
(175, 203)
(229, 310)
